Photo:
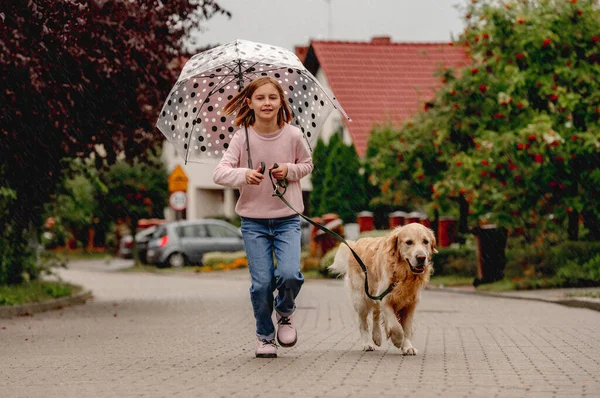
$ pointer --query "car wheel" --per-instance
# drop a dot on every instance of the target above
(176, 260)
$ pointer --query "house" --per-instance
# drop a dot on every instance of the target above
(376, 82)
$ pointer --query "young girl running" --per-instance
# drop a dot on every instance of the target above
(268, 225)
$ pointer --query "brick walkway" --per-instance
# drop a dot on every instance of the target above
(150, 335)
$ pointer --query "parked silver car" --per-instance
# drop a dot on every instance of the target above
(141, 242)
(178, 243)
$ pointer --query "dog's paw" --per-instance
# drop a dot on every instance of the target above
(409, 350)
(377, 340)
(368, 347)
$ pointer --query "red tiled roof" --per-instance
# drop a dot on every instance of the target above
(381, 81)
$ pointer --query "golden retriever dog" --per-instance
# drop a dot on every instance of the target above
(404, 257)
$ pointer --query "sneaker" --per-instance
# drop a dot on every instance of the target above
(286, 332)
(266, 349)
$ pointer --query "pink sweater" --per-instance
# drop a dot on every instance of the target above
(286, 146)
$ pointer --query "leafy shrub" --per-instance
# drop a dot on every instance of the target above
(326, 261)
(459, 261)
(219, 259)
(576, 274)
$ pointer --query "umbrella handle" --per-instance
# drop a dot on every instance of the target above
(262, 168)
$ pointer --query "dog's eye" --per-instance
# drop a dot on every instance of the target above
(425, 242)
(409, 242)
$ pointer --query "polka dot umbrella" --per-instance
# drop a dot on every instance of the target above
(192, 118)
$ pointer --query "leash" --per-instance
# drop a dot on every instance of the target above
(283, 184)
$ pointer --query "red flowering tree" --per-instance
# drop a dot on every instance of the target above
(518, 130)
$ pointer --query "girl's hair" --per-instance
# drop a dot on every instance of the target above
(245, 116)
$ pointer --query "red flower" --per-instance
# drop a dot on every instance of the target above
(538, 158)
(499, 116)
(521, 146)
(512, 166)
(462, 191)
(520, 56)
(519, 20)
(553, 97)
(520, 106)
(453, 92)
(532, 138)
(574, 138)
(547, 42)
(553, 184)
(486, 36)
(562, 186)
(421, 176)
(485, 162)
(499, 166)
(559, 159)
(596, 39)
(474, 71)
(482, 88)
(555, 143)
(568, 63)
(459, 164)
(484, 173)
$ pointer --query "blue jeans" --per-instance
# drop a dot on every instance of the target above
(262, 238)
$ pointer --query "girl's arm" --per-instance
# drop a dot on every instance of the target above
(227, 172)
(303, 165)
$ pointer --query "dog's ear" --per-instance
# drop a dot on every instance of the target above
(433, 242)
(392, 243)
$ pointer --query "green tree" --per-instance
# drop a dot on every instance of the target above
(344, 191)
(317, 177)
(135, 191)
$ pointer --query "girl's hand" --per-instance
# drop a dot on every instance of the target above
(253, 177)
(279, 173)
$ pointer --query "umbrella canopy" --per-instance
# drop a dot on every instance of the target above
(192, 120)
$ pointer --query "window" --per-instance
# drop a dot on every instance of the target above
(192, 231)
(219, 231)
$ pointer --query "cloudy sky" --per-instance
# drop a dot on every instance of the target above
(288, 23)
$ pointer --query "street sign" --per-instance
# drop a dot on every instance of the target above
(178, 201)
(178, 180)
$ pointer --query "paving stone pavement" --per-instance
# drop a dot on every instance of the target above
(192, 335)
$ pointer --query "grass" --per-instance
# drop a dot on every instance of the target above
(451, 280)
(82, 255)
(501, 286)
(595, 295)
(313, 274)
(35, 292)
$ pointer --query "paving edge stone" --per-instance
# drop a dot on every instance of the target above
(581, 302)
(54, 304)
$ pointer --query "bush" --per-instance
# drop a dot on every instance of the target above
(459, 261)
(326, 261)
(575, 274)
(213, 259)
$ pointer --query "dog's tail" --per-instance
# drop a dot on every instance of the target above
(340, 261)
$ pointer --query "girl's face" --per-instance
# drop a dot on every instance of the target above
(265, 102)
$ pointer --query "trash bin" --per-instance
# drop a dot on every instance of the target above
(365, 221)
(424, 220)
(446, 231)
(396, 219)
(413, 217)
(491, 253)
(326, 242)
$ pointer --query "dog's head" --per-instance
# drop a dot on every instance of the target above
(413, 244)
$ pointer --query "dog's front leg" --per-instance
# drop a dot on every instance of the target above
(376, 324)
(393, 328)
(406, 320)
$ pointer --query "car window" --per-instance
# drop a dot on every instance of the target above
(160, 232)
(219, 231)
(192, 231)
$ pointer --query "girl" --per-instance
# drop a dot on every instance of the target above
(268, 225)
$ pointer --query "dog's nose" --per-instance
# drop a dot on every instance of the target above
(421, 259)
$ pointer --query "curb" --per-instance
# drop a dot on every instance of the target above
(34, 308)
(592, 304)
